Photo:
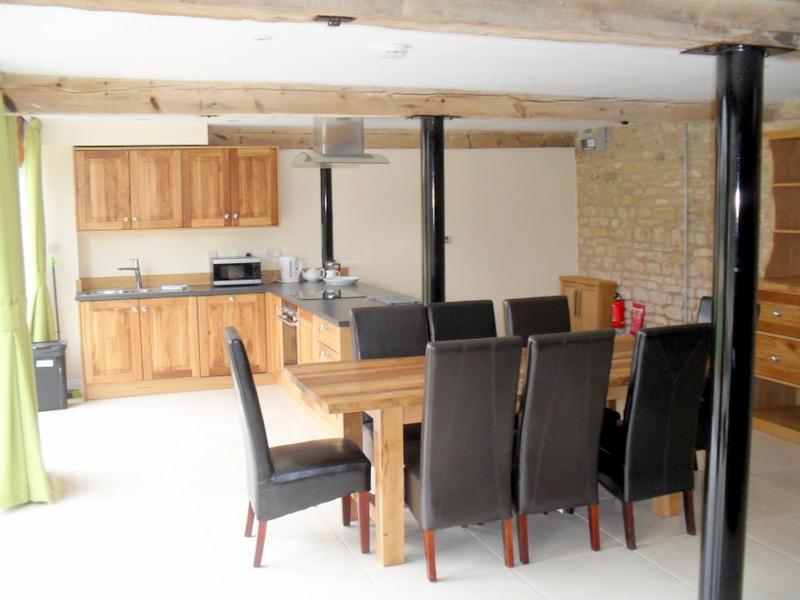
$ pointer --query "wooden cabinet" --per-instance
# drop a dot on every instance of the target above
(589, 301)
(305, 337)
(245, 312)
(254, 186)
(155, 178)
(102, 189)
(330, 342)
(206, 187)
(111, 341)
(274, 334)
(154, 188)
(169, 338)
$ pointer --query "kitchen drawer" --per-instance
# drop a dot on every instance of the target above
(324, 353)
(327, 333)
(778, 358)
(779, 318)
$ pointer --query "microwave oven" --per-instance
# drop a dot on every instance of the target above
(241, 270)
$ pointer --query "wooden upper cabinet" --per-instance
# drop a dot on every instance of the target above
(103, 190)
(156, 189)
(245, 312)
(111, 341)
(169, 338)
(254, 186)
(206, 187)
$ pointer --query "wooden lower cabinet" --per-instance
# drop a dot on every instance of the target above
(169, 338)
(305, 337)
(274, 334)
(245, 312)
(589, 301)
(111, 341)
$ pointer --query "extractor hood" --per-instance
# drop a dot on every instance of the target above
(338, 142)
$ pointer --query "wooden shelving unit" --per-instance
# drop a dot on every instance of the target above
(777, 399)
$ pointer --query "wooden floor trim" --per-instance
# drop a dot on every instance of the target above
(97, 391)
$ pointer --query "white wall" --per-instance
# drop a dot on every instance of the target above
(511, 215)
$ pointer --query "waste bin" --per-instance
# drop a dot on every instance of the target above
(51, 374)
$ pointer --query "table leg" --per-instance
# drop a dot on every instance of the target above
(667, 506)
(352, 430)
(389, 499)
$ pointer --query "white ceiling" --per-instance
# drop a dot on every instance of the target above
(67, 42)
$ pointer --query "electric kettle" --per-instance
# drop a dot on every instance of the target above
(290, 269)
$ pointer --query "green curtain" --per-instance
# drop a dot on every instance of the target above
(22, 475)
(40, 309)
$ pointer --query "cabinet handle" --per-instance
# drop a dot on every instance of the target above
(125, 219)
(135, 309)
(135, 219)
(235, 215)
(777, 313)
(231, 299)
(775, 358)
(323, 354)
(227, 216)
(144, 308)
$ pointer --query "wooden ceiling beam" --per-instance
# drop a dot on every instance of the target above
(677, 24)
(292, 138)
(36, 94)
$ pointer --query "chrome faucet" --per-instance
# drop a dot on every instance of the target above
(136, 271)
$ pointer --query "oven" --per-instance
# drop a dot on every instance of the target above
(288, 327)
(241, 270)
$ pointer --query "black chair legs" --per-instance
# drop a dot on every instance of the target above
(630, 532)
(262, 533)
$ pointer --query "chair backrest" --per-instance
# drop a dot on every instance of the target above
(467, 431)
(462, 320)
(389, 331)
(558, 438)
(667, 379)
(704, 310)
(259, 463)
(533, 316)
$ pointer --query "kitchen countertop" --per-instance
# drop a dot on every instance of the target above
(336, 310)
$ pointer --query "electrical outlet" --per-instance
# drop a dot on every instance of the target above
(244, 252)
(212, 254)
(272, 252)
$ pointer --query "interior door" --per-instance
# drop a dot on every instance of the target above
(112, 348)
(169, 338)
(156, 201)
(254, 186)
(206, 187)
(102, 189)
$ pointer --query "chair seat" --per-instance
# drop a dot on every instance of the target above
(316, 458)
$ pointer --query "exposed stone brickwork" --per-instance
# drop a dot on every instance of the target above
(631, 224)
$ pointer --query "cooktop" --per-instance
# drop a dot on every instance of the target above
(328, 294)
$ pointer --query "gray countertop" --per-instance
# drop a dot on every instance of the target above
(336, 310)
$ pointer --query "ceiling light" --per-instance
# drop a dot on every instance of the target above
(392, 50)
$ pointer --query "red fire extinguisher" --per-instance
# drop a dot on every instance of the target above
(618, 312)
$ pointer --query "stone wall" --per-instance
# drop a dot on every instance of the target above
(632, 224)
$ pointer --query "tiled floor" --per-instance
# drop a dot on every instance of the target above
(151, 503)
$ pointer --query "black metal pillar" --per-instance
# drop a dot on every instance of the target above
(326, 212)
(740, 82)
(432, 145)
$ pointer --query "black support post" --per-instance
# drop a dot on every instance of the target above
(326, 212)
(432, 145)
(740, 82)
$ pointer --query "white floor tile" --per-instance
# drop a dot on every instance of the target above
(782, 534)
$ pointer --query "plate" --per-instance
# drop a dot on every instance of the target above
(341, 280)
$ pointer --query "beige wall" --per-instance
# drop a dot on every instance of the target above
(510, 213)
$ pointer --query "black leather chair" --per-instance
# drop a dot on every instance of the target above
(388, 332)
(704, 313)
(650, 452)
(288, 478)
(462, 473)
(533, 316)
(463, 320)
(558, 438)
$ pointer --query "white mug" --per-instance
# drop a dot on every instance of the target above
(330, 273)
(313, 274)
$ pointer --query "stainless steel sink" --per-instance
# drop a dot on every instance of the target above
(122, 291)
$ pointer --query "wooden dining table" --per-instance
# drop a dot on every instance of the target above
(390, 390)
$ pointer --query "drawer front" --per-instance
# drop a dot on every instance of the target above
(779, 318)
(324, 353)
(778, 358)
(327, 333)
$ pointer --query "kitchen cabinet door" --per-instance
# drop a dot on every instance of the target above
(274, 334)
(156, 201)
(111, 341)
(254, 186)
(589, 301)
(245, 312)
(206, 187)
(305, 341)
(102, 190)
(169, 338)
